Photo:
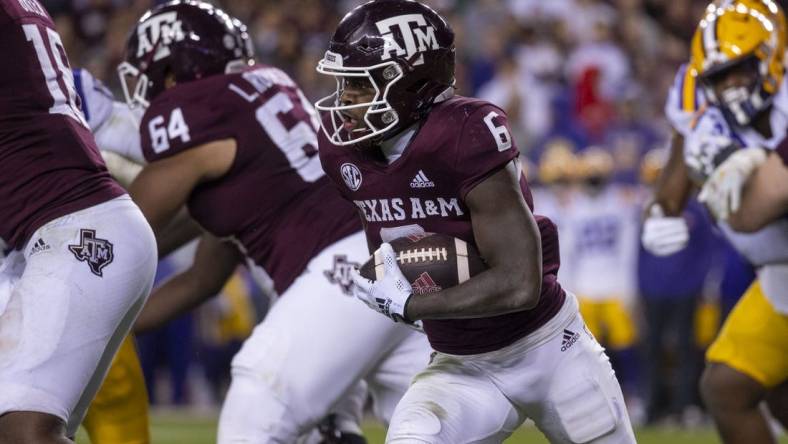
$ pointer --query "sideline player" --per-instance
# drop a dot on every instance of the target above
(603, 223)
(737, 72)
(510, 343)
(81, 256)
(119, 411)
(238, 145)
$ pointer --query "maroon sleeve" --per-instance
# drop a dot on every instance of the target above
(184, 118)
(782, 151)
(331, 163)
(484, 146)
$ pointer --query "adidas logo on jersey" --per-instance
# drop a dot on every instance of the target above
(39, 246)
(570, 338)
(421, 181)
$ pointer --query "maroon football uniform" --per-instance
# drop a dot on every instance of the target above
(782, 151)
(460, 143)
(50, 165)
(275, 199)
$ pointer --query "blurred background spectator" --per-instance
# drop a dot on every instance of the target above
(571, 74)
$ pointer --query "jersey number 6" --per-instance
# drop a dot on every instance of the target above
(499, 133)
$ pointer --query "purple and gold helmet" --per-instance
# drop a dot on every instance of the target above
(187, 39)
(406, 52)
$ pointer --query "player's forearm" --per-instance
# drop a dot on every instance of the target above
(160, 196)
(176, 297)
(493, 292)
(178, 233)
(508, 238)
(674, 185)
(764, 197)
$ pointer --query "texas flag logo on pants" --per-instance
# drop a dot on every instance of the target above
(96, 252)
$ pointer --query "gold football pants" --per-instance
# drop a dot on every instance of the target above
(119, 412)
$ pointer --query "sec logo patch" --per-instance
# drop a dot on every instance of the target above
(351, 175)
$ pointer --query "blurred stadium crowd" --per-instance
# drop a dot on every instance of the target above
(584, 84)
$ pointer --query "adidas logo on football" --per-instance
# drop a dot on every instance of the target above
(39, 246)
(421, 181)
(424, 284)
(570, 338)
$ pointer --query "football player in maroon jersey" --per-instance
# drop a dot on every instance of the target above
(236, 142)
(77, 257)
(510, 343)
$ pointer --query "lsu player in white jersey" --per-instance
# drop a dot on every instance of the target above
(557, 172)
(119, 412)
(731, 98)
(602, 225)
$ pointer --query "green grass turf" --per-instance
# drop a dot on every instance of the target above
(179, 428)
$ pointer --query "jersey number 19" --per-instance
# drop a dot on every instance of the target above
(65, 99)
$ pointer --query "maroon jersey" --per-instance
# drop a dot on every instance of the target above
(462, 142)
(50, 165)
(782, 151)
(275, 199)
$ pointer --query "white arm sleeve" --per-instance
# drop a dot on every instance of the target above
(120, 134)
(95, 98)
(115, 126)
(681, 114)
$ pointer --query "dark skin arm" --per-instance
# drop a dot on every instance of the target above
(164, 186)
(674, 185)
(509, 240)
(180, 231)
(764, 197)
(214, 263)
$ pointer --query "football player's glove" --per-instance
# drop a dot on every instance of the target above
(704, 153)
(389, 294)
(722, 191)
(662, 235)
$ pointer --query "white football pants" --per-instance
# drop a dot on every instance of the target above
(559, 376)
(311, 351)
(66, 303)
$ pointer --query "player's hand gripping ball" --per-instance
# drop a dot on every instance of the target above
(414, 265)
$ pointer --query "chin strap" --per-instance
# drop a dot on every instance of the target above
(447, 94)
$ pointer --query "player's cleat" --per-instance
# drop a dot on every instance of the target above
(331, 434)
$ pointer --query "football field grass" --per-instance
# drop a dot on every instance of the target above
(180, 428)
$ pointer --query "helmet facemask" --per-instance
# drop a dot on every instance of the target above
(742, 102)
(134, 84)
(380, 116)
(405, 50)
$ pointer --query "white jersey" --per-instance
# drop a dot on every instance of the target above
(689, 112)
(114, 125)
(692, 116)
(555, 202)
(602, 230)
(685, 98)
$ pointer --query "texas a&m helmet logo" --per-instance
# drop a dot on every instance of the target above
(157, 33)
(415, 36)
(96, 252)
(351, 175)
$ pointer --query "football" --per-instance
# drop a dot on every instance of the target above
(430, 262)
